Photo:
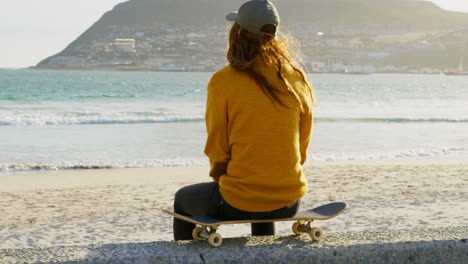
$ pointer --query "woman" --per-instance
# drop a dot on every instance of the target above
(259, 121)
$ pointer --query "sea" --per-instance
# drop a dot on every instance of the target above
(76, 120)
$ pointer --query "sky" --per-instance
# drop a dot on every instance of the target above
(31, 30)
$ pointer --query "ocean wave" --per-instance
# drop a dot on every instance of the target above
(388, 155)
(142, 118)
(97, 121)
(391, 120)
(100, 165)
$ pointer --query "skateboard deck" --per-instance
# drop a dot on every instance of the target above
(303, 220)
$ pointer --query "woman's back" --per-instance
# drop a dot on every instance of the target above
(263, 142)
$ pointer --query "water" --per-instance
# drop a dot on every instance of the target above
(54, 120)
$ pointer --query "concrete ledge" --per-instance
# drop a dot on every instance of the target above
(439, 245)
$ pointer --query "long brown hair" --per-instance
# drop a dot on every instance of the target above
(243, 49)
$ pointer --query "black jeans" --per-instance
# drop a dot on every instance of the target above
(205, 199)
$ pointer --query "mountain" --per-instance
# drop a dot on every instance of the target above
(405, 14)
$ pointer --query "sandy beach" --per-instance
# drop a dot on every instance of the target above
(66, 208)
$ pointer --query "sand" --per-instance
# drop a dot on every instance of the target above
(68, 208)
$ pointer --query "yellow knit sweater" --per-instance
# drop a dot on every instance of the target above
(263, 143)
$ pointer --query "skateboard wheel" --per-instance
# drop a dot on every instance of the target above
(295, 230)
(316, 234)
(196, 233)
(215, 240)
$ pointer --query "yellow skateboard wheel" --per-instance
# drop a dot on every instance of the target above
(316, 234)
(196, 233)
(215, 240)
(295, 230)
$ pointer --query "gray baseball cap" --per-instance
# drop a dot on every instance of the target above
(254, 14)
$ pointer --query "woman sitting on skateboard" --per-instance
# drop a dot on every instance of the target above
(259, 120)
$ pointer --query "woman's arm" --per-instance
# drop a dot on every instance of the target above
(305, 127)
(217, 144)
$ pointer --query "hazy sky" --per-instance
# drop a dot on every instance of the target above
(32, 30)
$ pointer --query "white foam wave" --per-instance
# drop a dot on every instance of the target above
(202, 161)
(94, 165)
(137, 118)
(410, 153)
(96, 118)
(63, 113)
(392, 120)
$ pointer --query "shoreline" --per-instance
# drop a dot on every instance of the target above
(70, 208)
(200, 169)
(441, 160)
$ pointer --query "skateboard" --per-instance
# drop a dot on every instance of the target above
(207, 226)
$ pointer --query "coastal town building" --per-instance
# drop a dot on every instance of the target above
(126, 45)
(103, 46)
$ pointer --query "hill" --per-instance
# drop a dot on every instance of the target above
(410, 15)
